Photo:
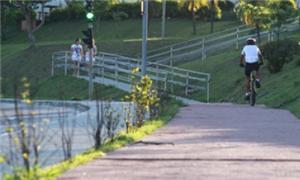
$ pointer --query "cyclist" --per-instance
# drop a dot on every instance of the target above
(251, 59)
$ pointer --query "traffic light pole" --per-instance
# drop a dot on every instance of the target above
(91, 83)
(145, 35)
(163, 21)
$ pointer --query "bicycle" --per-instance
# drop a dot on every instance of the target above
(252, 97)
(253, 86)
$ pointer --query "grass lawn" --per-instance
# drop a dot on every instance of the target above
(61, 33)
(120, 37)
(280, 90)
(68, 87)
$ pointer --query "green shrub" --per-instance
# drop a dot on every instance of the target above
(226, 5)
(298, 60)
(279, 53)
(58, 15)
(102, 10)
(74, 11)
(173, 9)
(131, 9)
(10, 21)
(119, 16)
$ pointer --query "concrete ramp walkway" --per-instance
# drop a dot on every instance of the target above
(208, 141)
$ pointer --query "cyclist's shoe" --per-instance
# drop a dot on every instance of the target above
(257, 83)
(247, 96)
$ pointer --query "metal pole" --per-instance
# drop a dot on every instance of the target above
(203, 55)
(171, 56)
(91, 84)
(52, 68)
(66, 63)
(145, 35)
(207, 88)
(163, 22)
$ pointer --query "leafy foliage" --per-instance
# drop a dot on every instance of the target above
(279, 53)
(142, 95)
(253, 13)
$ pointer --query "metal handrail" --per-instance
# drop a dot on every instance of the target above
(119, 68)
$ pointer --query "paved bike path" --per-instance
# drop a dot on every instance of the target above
(208, 141)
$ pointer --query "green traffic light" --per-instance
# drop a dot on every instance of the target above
(90, 15)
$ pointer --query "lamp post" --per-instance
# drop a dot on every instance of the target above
(145, 35)
(163, 21)
(88, 40)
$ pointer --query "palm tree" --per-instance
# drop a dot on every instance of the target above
(254, 13)
(215, 12)
(193, 7)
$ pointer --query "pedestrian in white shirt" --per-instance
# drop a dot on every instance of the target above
(76, 55)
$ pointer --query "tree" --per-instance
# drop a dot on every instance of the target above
(281, 11)
(266, 14)
(26, 7)
(215, 12)
(193, 7)
(254, 13)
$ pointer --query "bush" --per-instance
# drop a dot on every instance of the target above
(101, 10)
(57, 15)
(279, 53)
(119, 16)
(74, 11)
(172, 9)
(131, 9)
(155, 9)
(298, 59)
(226, 5)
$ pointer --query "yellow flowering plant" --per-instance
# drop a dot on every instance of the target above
(142, 95)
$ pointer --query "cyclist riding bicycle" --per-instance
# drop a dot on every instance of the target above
(251, 59)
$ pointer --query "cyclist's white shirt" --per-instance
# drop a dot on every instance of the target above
(251, 53)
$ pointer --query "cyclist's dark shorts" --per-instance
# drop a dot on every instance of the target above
(251, 67)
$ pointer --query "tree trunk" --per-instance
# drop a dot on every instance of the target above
(278, 33)
(194, 18)
(29, 21)
(258, 34)
(212, 15)
(29, 29)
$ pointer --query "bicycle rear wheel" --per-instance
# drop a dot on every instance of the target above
(253, 94)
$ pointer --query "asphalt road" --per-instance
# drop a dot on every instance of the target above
(214, 141)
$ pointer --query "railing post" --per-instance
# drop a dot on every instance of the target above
(272, 35)
(166, 82)
(157, 78)
(237, 38)
(102, 66)
(116, 70)
(171, 56)
(203, 56)
(172, 80)
(66, 63)
(207, 89)
(187, 84)
(52, 68)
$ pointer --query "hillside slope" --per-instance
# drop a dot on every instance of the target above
(280, 90)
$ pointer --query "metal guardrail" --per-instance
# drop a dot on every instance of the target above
(203, 46)
(191, 41)
(175, 80)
